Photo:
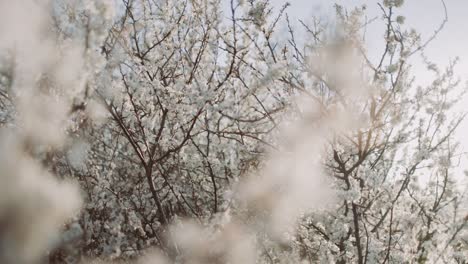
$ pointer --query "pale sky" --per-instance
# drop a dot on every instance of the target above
(424, 15)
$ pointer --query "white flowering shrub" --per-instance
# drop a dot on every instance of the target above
(196, 132)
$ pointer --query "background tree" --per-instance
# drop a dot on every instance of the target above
(190, 99)
(193, 100)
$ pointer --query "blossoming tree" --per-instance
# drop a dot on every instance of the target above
(277, 151)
